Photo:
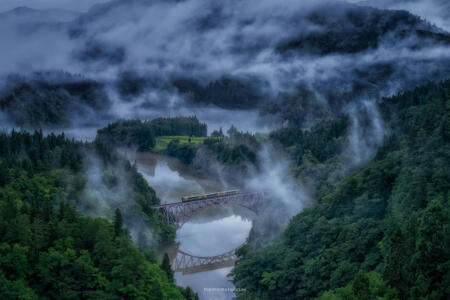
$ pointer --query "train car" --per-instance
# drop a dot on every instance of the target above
(211, 195)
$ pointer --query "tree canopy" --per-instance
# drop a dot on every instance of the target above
(49, 250)
(382, 231)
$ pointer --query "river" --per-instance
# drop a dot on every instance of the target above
(209, 233)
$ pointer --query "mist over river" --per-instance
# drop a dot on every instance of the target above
(211, 232)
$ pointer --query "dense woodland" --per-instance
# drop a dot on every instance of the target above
(76, 218)
(382, 232)
(49, 250)
(379, 231)
(143, 134)
(232, 149)
(226, 92)
(358, 28)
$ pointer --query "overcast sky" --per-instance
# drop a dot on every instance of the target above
(77, 5)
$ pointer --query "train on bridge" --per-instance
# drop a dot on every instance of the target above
(211, 195)
(179, 212)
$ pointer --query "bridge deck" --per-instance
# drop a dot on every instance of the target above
(168, 205)
(190, 264)
(179, 212)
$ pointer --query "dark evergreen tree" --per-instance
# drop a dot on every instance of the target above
(165, 265)
(118, 222)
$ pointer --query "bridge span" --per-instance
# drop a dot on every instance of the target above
(191, 264)
(178, 213)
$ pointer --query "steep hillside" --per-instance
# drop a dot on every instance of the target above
(300, 62)
(53, 99)
(390, 217)
(48, 249)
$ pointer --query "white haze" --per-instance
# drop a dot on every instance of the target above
(162, 39)
(275, 178)
(367, 132)
(100, 199)
(75, 5)
(205, 40)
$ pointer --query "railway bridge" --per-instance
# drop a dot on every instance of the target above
(190, 264)
(179, 213)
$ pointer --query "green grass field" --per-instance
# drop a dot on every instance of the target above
(163, 141)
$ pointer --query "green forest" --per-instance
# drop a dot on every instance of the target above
(49, 250)
(377, 232)
(381, 232)
(143, 134)
(181, 137)
(218, 150)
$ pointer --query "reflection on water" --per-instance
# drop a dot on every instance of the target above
(209, 284)
(211, 232)
(169, 185)
(170, 178)
(214, 237)
(211, 238)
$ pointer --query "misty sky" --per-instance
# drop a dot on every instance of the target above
(159, 42)
(76, 5)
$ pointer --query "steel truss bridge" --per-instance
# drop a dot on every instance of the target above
(179, 213)
(190, 264)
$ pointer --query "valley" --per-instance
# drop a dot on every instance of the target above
(195, 149)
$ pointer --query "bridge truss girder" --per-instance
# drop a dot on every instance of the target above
(178, 213)
(189, 264)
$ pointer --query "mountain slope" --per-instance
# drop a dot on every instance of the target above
(53, 99)
(242, 55)
(49, 250)
(391, 217)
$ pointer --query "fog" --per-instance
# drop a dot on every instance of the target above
(160, 42)
(76, 66)
(203, 40)
(276, 179)
(367, 131)
(267, 46)
(79, 5)
(435, 11)
(108, 187)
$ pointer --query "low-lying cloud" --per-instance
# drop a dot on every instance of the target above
(79, 5)
(436, 12)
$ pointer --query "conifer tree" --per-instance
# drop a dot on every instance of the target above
(118, 222)
(166, 267)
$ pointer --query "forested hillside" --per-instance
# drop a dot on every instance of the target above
(143, 134)
(51, 99)
(228, 93)
(382, 231)
(233, 56)
(49, 250)
(354, 28)
(237, 147)
(330, 117)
